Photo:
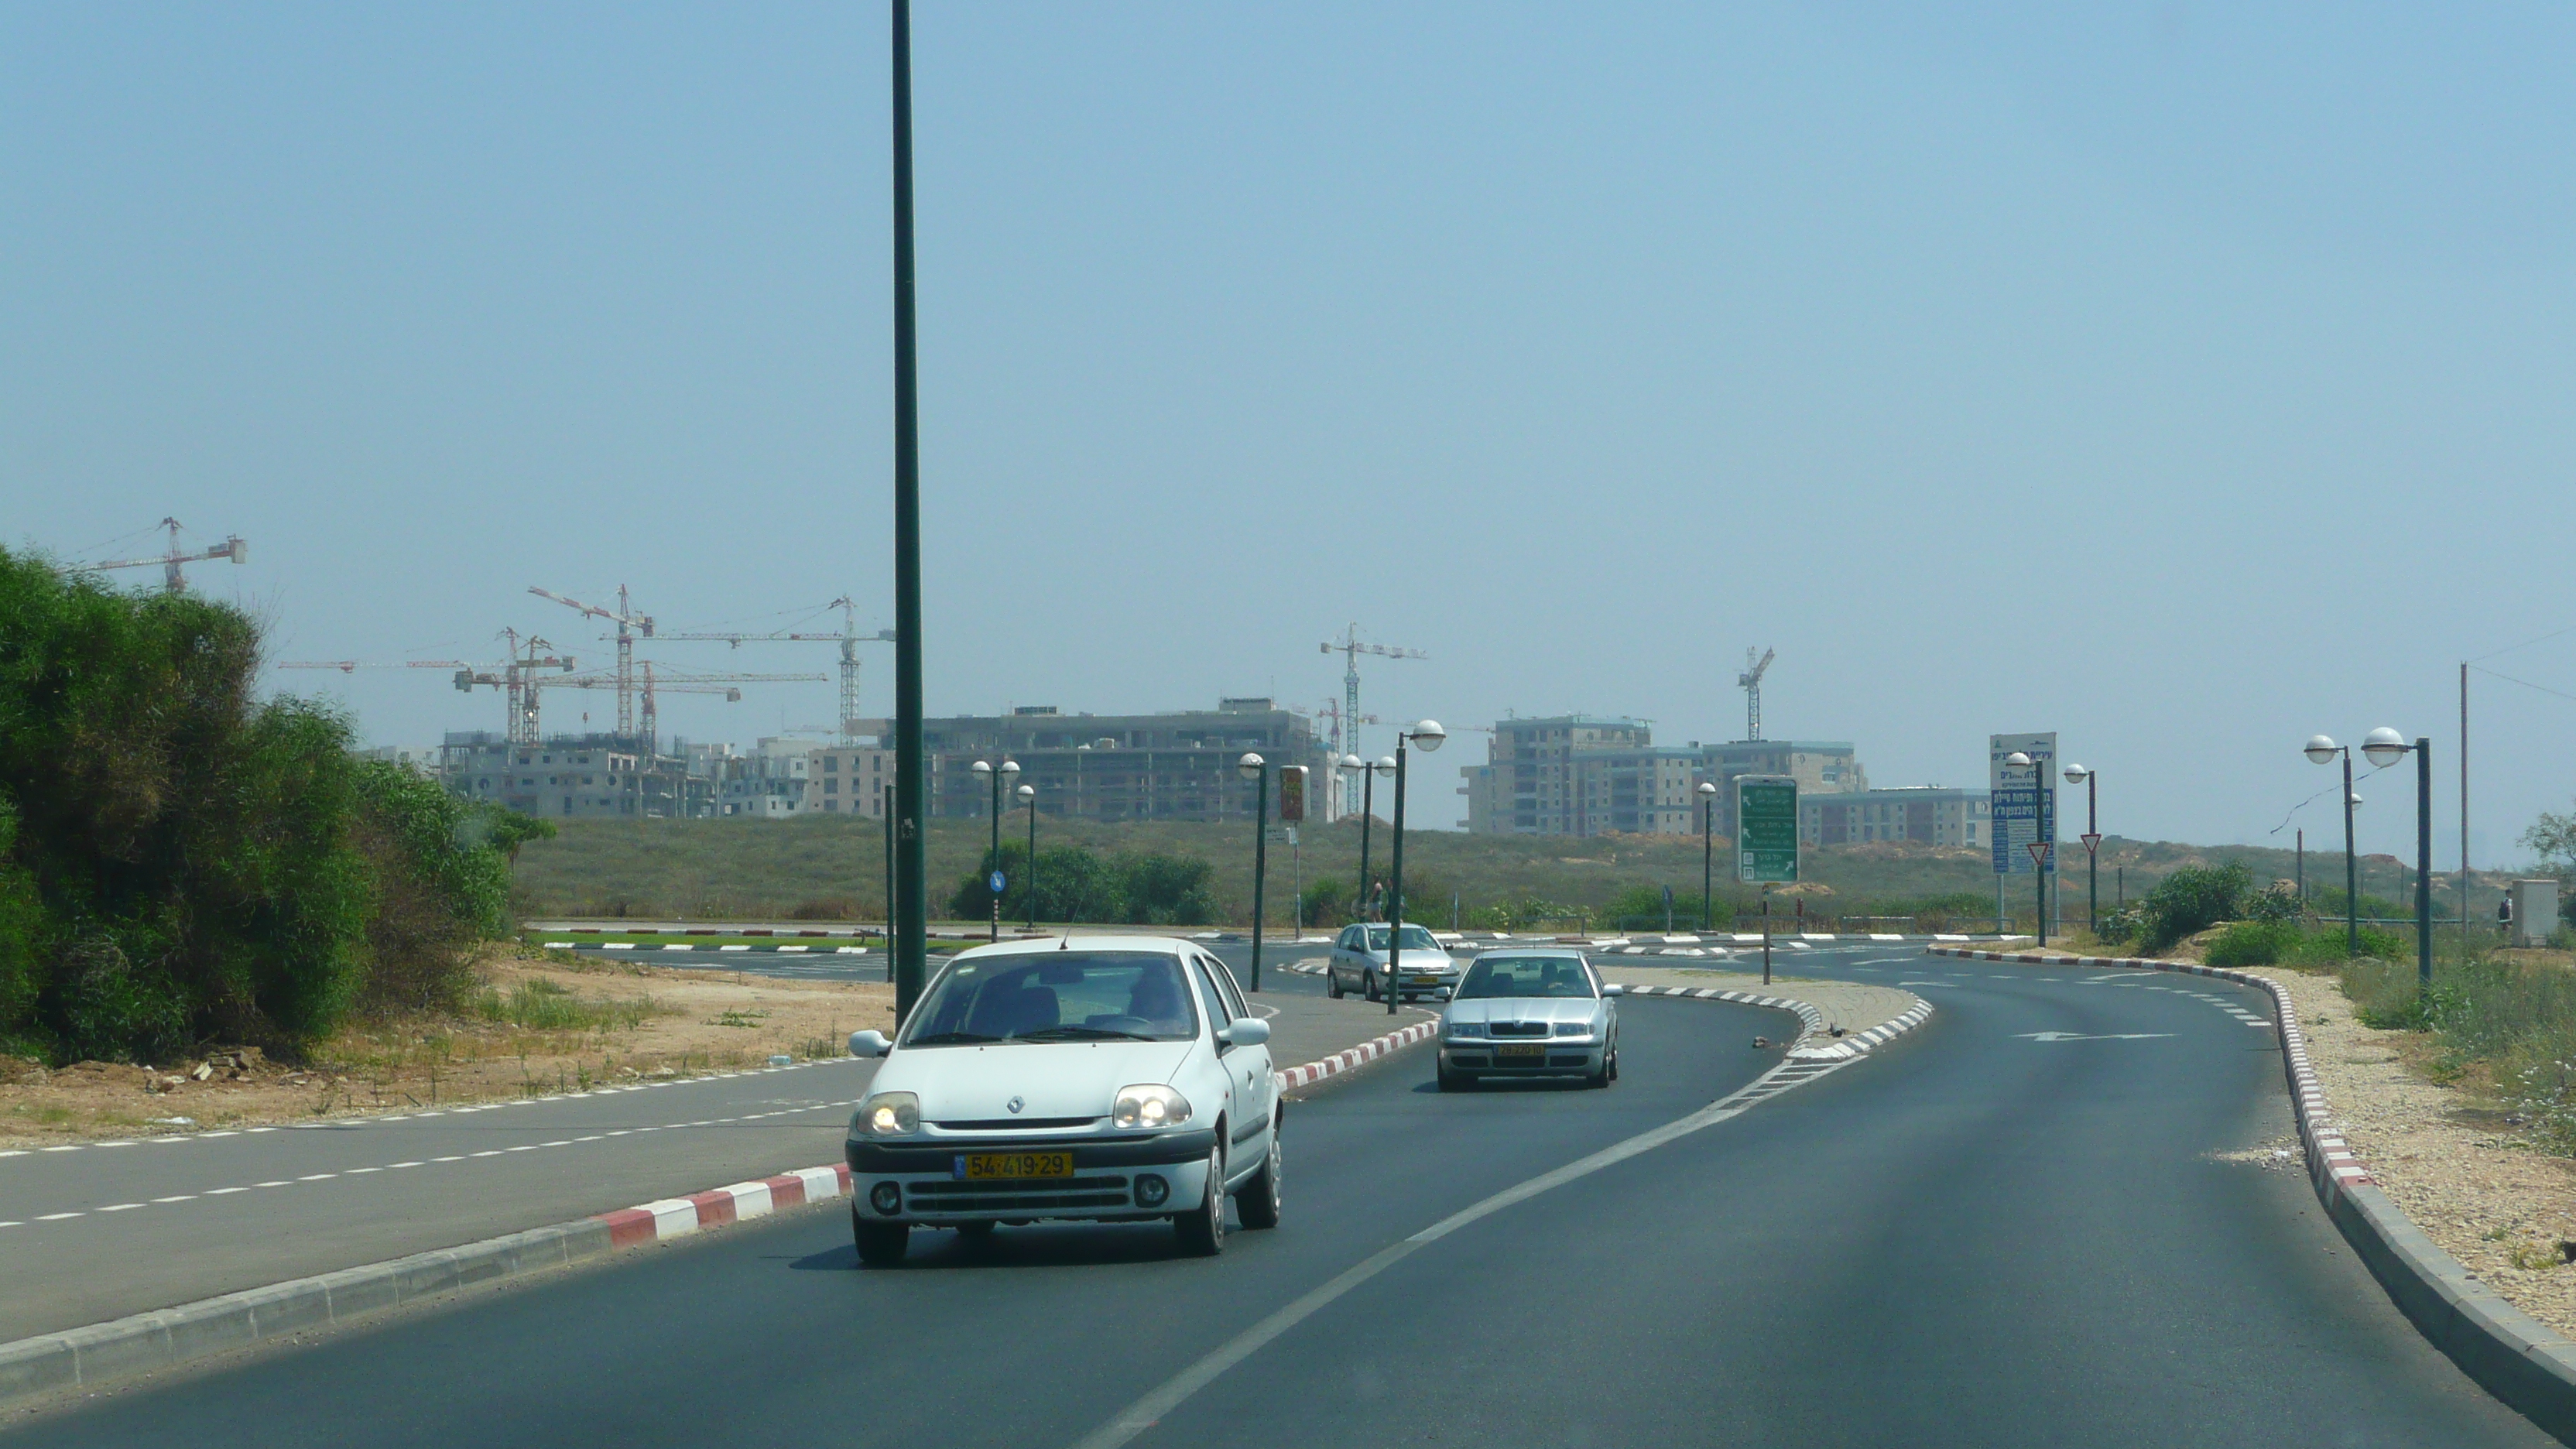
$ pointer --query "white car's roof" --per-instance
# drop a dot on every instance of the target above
(1573, 951)
(1166, 945)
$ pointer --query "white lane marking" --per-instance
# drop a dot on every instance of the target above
(2079, 1036)
(56, 1217)
(127, 1142)
(120, 1207)
(317, 1177)
(355, 1170)
(179, 1197)
(1143, 1414)
(221, 1191)
(272, 1184)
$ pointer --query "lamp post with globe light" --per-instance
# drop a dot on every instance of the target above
(2078, 775)
(1707, 850)
(1253, 767)
(997, 779)
(2040, 850)
(1429, 735)
(1029, 799)
(2385, 747)
(1368, 814)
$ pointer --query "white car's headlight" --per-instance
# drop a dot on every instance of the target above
(1149, 1105)
(1465, 1028)
(1574, 1028)
(888, 1114)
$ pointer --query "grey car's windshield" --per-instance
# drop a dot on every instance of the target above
(1553, 976)
(1058, 996)
(1415, 939)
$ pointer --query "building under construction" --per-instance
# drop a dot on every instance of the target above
(1178, 766)
(574, 777)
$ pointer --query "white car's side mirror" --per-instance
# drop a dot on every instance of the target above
(1614, 989)
(1244, 1031)
(869, 1044)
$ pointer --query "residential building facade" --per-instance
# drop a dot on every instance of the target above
(1580, 775)
(1929, 814)
(1175, 766)
(571, 777)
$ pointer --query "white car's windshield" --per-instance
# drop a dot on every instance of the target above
(1059, 996)
(1558, 976)
(1415, 939)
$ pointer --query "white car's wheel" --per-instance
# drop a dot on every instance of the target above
(1202, 1233)
(1257, 1201)
(1333, 983)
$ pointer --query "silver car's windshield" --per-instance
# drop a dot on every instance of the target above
(1415, 939)
(1556, 976)
(1058, 996)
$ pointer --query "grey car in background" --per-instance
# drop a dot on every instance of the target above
(1360, 962)
(1529, 1012)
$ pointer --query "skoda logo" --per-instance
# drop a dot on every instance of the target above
(1015, 1104)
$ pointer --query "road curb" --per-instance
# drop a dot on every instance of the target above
(1833, 1049)
(2510, 1354)
(1358, 1056)
(167, 1337)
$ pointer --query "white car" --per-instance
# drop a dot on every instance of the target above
(1529, 1012)
(1110, 1079)
(1361, 962)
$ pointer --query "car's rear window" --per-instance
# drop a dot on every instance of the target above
(1058, 996)
(1556, 976)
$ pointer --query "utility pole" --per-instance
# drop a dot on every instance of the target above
(912, 922)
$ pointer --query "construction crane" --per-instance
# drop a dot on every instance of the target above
(849, 639)
(232, 548)
(1346, 731)
(628, 623)
(650, 740)
(1750, 681)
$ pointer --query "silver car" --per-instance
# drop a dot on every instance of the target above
(1529, 1013)
(1360, 963)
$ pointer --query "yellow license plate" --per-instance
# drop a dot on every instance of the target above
(1422, 981)
(1510, 1049)
(979, 1165)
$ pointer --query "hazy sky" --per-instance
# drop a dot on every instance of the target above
(2184, 378)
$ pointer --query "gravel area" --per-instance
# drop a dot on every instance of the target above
(2505, 1209)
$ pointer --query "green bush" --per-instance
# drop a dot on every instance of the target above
(2192, 900)
(1136, 889)
(180, 859)
(2254, 943)
(2122, 925)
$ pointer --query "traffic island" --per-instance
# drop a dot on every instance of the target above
(1839, 1019)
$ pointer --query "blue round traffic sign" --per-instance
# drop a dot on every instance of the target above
(996, 882)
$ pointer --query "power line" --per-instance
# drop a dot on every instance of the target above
(2525, 683)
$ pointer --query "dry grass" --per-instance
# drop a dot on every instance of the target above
(536, 1026)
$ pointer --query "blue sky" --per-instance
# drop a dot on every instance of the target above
(2187, 379)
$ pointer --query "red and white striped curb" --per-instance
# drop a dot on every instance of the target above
(674, 1217)
(1365, 1052)
(1836, 1049)
(2331, 1161)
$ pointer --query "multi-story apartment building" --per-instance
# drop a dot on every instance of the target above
(1931, 814)
(848, 780)
(1821, 767)
(1580, 775)
(1177, 766)
(571, 777)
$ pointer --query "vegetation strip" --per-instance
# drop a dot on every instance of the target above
(2510, 1354)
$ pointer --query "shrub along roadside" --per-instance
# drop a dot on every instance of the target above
(2509, 1025)
(181, 860)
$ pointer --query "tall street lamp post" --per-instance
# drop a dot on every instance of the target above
(1252, 767)
(2038, 857)
(1029, 799)
(1429, 735)
(1707, 850)
(2078, 775)
(2384, 747)
(909, 904)
(2322, 751)
(1010, 769)
(1368, 815)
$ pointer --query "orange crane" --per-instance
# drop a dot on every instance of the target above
(171, 579)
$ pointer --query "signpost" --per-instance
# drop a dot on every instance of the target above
(1766, 841)
(1292, 794)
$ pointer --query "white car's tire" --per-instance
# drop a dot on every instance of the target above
(1202, 1232)
(880, 1245)
(1257, 1201)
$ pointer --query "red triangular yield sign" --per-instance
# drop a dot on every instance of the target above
(2039, 850)
(2092, 842)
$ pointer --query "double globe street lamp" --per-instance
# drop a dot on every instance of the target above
(1029, 800)
(1350, 765)
(2385, 747)
(1707, 850)
(1429, 735)
(1009, 771)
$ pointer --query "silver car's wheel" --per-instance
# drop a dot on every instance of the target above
(1202, 1233)
(1333, 983)
(1258, 1200)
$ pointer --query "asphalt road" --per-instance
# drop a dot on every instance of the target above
(2046, 1218)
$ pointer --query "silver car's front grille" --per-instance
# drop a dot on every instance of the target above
(1517, 1028)
(1019, 1194)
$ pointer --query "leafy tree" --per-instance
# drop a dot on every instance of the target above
(2553, 839)
(2193, 899)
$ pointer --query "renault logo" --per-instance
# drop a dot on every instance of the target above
(1015, 1104)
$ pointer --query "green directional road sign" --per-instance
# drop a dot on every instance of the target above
(1766, 828)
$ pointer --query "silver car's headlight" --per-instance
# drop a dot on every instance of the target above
(888, 1114)
(1149, 1105)
(1464, 1028)
(1574, 1028)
